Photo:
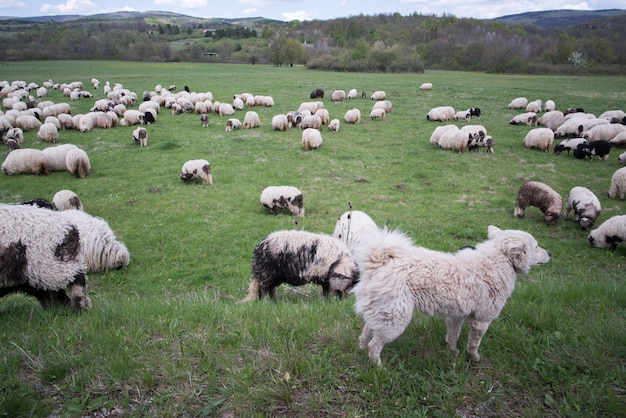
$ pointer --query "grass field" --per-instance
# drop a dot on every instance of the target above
(165, 337)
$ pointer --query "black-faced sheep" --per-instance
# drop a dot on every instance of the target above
(25, 161)
(542, 196)
(299, 258)
(232, 124)
(352, 94)
(140, 137)
(441, 113)
(379, 95)
(610, 233)
(17, 134)
(569, 145)
(311, 139)
(480, 141)
(539, 138)
(585, 205)
(40, 255)
(352, 227)
(528, 119)
(587, 150)
(618, 184)
(77, 162)
(283, 197)
(66, 200)
(196, 169)
(605, 132)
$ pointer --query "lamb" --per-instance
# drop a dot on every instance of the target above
(140, 137)
(426, 86)
(251, 120)
(528, 119)
(25, 161)
(535, 193)
(456, 140)
(441, 113)
(40, 256)
(439, 131)
(101, 249)
(481, 141)
(518, 103)
(286, 197)
(549, 106)
(610, 233)
(540, 138)
(232, 124)
(204, 120)
(585, 205)
(196, 169)
(48, 132)
(352, 227)
(311, 139)
(618, 183)
(604, 132)
(378, 114)
(333, 125)
(65, 200)
(77, 162)
(280, 123)
(56, 156)
(569, 145)
(298, 258)
(463, 115)
(338, 96)
(352, 116)
(379, 95)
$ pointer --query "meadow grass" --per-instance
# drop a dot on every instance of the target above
(165, 337)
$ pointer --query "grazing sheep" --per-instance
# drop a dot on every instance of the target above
(610, 114)
(311, 139)
(338, 96)
(571, 127)
(518, 103)
(17, 134)
(101, 249)
(12, 144)
(298, 258)
(283, 197)
(251, 120)
(280, 123)
(133, 117)
(352, 94)
(333, 125)
(352, 227)
(204, 120)
(352, 116)
(323, 115)
(604, 132)
(27, 122)
(619, 140)
(534, 193)
(426, 86)
(479, 141)
(232, 124)
(587, 150)
(317, 93)
(585, 205)
(549, 106)
(140, 136)
(149, 116)
(25, 161)
(65, 200)
(622, 158)
(56, 156)
(225, 109)
(311, 121)
(77, 162)
(311, 106)
(378, 113)
(547, 117)
(534, 107)
(38, 202)
(48, 132)
(53, 120)
(528, 119)
(439, 131)
(196, 169)
(383, 104)
(568, 145)
(610, 233)
(441, 113)
(40, 256)
(379, 95)
(618, 183)
(476, 130)
(540, 138)
(463, 115)
(456, 140)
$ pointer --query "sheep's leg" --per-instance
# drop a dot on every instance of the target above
(454, 330)
(78, 291)
(476, 332)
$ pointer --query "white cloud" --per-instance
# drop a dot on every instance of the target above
(251, 11)
(12, 4)
(579, 6)
(183, 4)
(69, 7)
(299, 15)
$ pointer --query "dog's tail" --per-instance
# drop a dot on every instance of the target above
(380, 247)
(253, 291)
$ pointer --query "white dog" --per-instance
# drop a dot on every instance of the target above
(474, 283)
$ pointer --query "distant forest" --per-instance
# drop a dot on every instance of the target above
(381, 43)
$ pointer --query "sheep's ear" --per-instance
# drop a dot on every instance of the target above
(492, 231)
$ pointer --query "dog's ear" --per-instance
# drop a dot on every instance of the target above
(518, 254)
(492, 231)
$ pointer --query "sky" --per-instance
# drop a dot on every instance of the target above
(287, 10)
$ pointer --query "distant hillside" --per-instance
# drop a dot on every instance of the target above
(553, 19)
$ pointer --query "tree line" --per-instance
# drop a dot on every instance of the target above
(379, 43)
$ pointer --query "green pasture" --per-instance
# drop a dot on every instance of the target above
(165, 337)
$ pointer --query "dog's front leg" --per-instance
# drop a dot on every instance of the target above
(366, 336)
(476, 332)
(454, 330)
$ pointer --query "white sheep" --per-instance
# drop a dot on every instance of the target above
(225, 109)
(612, 114)
(66, 199)
(56, 156)
(311, 121)
(476, 130)
(311, 106)
(518, 103)
(101, 249)
(534, 107)
(334, 125)
(251, 120)
(299, 258)
(540, 138)
(27, 122)
(150, 104)
(17, 134)
(352, 94)
(311, 139)
(439, 131)
(283, 197)
(569, 144)
(140, 137)
(352, 116)
(527, 118)
(570, 127)
(610, 233)
(456, 140)
(604, 132)
(280, 122)
(44, 249)
(383, 104)
(585, 205)
(77, 162)
(197, 169)
(53, 120)
(441, 113)
(463, 115)
(542, 196)
(133, 117)
(618, 183)
(238, 103)
(25, 161)
(549, 106)
(232, 124)
(619, 140)
(338, 96)
(622, 158)
(548, 116)
(379, 95)
(323, 115)
(48, 132)
(378, 113)
(426, 86)
(352, 227)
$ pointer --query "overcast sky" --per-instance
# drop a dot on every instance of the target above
(299, 9)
